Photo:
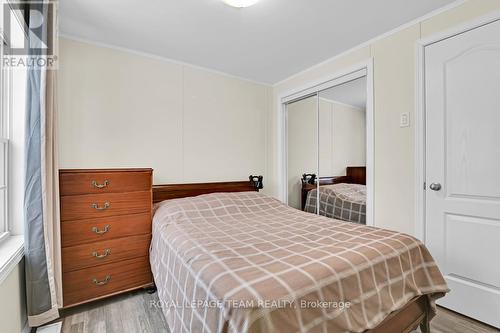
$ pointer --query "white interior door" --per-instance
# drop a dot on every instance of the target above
(462, 230)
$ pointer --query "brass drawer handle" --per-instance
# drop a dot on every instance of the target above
(101, 232)
(96, 206)
(100, 186)
(106, 253)
(103, 282)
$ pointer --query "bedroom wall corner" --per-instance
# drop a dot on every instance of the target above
(121, 108)
(469, 10)
(394, 92)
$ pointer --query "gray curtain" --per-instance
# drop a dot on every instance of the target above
(41, 202)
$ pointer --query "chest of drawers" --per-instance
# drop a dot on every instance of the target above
(105, 232)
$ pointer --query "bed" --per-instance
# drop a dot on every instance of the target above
(239, 261)
(340, 197)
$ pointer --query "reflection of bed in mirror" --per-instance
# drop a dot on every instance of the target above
(340, 197)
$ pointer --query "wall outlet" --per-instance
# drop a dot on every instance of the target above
(404, 119)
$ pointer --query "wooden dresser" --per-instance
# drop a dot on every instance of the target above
(105, 232)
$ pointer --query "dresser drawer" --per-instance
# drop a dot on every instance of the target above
(99, 253)
(104, 228)
(84, 285)
(79, 207)
(73, 182)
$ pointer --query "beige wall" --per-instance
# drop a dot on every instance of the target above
(13, 304)
(394, 89)
(120, 109)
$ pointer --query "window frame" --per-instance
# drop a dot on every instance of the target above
(5, 109)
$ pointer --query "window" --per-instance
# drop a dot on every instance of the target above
(5, 103)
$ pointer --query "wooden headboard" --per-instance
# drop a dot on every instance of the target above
(174, 191)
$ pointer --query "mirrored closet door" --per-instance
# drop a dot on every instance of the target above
(327, 151)
(302, 143)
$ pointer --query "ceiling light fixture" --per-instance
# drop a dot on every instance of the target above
(240, 3)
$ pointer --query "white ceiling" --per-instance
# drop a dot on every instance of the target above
(267, 42)
(350, 93)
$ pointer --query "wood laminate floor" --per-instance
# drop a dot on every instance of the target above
(138, 312)
(132, 312)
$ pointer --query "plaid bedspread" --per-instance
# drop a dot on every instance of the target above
(245, 262)
(342, 201)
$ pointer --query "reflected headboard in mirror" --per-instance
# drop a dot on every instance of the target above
(354, 175)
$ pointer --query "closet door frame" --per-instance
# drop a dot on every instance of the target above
(357, 71)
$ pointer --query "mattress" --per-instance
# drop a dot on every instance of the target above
(245, 262)
(342, 201)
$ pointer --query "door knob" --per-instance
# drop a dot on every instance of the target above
(435, 186)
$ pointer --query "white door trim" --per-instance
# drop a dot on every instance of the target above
(325, 83)
(420, 111)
